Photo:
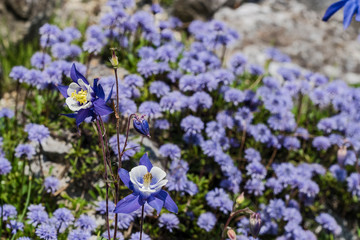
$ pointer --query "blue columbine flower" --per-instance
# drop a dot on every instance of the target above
(141, 125)
(146, 181)
(86, 99)
(351, 8)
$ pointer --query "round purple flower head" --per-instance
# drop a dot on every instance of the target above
(192, 125)
(36, 132)
(124, 220)
(353, 183)
(328, 223)
(5, 166)
(46, 232)
(119, 235)
(136, 236)
(218, 198)
(63, 218)
(141, 125)
(15, 226)
(170, 150)
(51, 184)
(207, 221)
(8, 211)
(151, 109)
(169, 221)
(6, 112)
(39, 60)
(101, 207)
(86, 223)
(37, 215)
(18, 73)
(321, 143)
(79, 234)
(146, 182)
(24, 149)
(237, 63)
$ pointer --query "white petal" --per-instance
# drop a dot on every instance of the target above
(87, 105)
(88, 95)
(158, 174)
(159, 185)
(83, 85)
(137, 174)
(73, 87)
(73, 104)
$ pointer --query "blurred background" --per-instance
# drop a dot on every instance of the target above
(294, 26)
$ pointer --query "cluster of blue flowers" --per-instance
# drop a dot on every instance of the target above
(279, 138)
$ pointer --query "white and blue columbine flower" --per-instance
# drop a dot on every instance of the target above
(86, 99)
(146, 182)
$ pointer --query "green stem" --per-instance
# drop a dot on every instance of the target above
(26, 204)
(27, 200)
(1, 205)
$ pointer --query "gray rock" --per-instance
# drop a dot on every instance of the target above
(188, 10)
(299, 32)
(22, 18)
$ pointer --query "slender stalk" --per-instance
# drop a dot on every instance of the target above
(88, 65)
(24, 104)
(111, 172)
(106, 147)
(243, 137)
(299, 109)
(232, 215)
(117, 116)
(142, 221)
(1, 204)
(272, 158)
(127, 134)
(258, 80)
(17, 99)
(27, 200)
(223, 54)
(106, 175)
(40, 163)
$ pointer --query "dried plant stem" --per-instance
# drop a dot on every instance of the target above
(223, 54)
(258, 80)
(232, 215)
(24, 105)
(17, 99)
(117, 116)
(243, 137)
(299, 109)
(272, 158)
(101, 141)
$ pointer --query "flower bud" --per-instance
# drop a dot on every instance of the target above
(114, 59)
(141, 125)
(255, 224)
(341, 155)
(240, 199)
(231, 234)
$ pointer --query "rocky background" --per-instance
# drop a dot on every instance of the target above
(294, 26)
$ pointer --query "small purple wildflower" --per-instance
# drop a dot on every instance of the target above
(86, 223)
(206, 221)
(5, 166)
(37, 132)
(51, 184)
(169, 221)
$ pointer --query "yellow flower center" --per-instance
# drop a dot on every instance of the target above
(147, 179)
(80, 96)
